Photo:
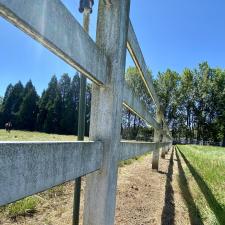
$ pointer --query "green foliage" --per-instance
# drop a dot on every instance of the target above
(135, 82)
(28, 110)
(132, 160)
(134, 128)
(11, 103)
(194, 102)
(1, 101)
(167, 85)
(56, 111)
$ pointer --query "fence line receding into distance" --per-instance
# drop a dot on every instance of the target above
(32, 167)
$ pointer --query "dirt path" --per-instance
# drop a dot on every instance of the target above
(147, 197)
(144, 197)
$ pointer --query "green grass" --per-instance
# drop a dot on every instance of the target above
(16, 135)
(132, 160)
(24, 207)
(206, 177)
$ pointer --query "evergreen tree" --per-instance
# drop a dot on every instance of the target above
(50, 108)
(1, 116)
(88, 109)
(131, 124)
(53, 117)
(75, 87)
(11, 103)
(27, 114)
(65, 88)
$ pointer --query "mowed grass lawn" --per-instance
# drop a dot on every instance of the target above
(16, 135)
(205, 171)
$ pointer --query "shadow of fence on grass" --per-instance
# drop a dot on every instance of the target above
(168, 213)
(210, 198)
(193, 211)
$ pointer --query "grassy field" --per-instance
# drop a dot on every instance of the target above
(16, 135)
(205, 179)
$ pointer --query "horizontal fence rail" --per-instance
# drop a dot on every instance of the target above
(136, 54)
(131, 149)
(133, 103)
(29, 168)
(51, 24)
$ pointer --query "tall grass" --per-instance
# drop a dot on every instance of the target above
(207, 165)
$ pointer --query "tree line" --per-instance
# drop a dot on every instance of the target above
(193, 102)
(55, 111)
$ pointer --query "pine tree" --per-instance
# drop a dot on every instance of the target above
(12, 102)
(65, 89)
(88, 109)
(27, 114)
(48, 115)
(53, 117)
(75, 87)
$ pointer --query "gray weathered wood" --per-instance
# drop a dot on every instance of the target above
(50, 23)
(133, 103)
(165, 138)
(131, 149)
(157, 139)
(100, 195)
(31, 167)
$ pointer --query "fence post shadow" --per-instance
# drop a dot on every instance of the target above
(210, 198)
(193, 210)
(168, 213)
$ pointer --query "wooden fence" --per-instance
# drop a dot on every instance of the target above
(30, 167)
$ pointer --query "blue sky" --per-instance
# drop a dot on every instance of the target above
(173, 34)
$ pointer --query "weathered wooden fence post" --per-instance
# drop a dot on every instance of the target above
(100, 193)
(164, 139)
(157, 139)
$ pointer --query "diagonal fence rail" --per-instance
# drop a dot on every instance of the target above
(28, 168)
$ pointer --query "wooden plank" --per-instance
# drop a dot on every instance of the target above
(51, 24)
(157, 139)
(133, 103)
(136, 54)
(32, 167)
(131, 149)
(106, 109)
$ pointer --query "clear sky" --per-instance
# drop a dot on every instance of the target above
(172, 33)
